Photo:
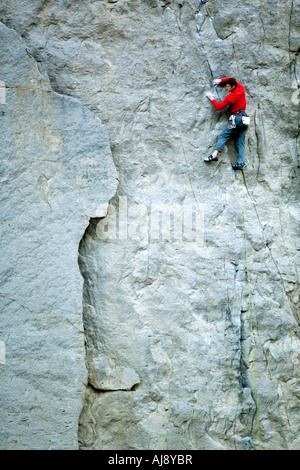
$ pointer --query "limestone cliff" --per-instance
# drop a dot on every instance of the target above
(183, 331)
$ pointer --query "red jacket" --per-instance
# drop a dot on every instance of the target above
(236, 100)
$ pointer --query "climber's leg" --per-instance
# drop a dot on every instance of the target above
(239, 141)
(222, 139)
(225, 135)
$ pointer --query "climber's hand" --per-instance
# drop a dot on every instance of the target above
(217, 81)
(210, 96)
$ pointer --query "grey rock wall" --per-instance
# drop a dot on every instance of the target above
(171, 360)
(56, 173)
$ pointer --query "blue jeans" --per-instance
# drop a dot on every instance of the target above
(238, 134)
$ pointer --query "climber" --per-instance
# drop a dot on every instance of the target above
(238, 122)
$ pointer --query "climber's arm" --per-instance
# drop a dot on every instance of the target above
(220, 81)
(219, 106)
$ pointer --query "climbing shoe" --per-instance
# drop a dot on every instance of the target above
(210, 158)
(238, 167)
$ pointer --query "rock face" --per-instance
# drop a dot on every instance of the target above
(191, 293)
(56, 172)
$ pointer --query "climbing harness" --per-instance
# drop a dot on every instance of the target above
(243, 181)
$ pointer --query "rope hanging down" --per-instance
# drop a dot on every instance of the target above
(250, 311)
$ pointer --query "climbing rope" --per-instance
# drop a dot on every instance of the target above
(250, 311)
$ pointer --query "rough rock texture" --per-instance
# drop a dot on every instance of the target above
(167, 319)
(56, 172)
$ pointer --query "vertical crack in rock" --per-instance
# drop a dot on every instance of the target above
(247, 394)
(105, 372)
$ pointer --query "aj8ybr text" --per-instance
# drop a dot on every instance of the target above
(172, 460)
